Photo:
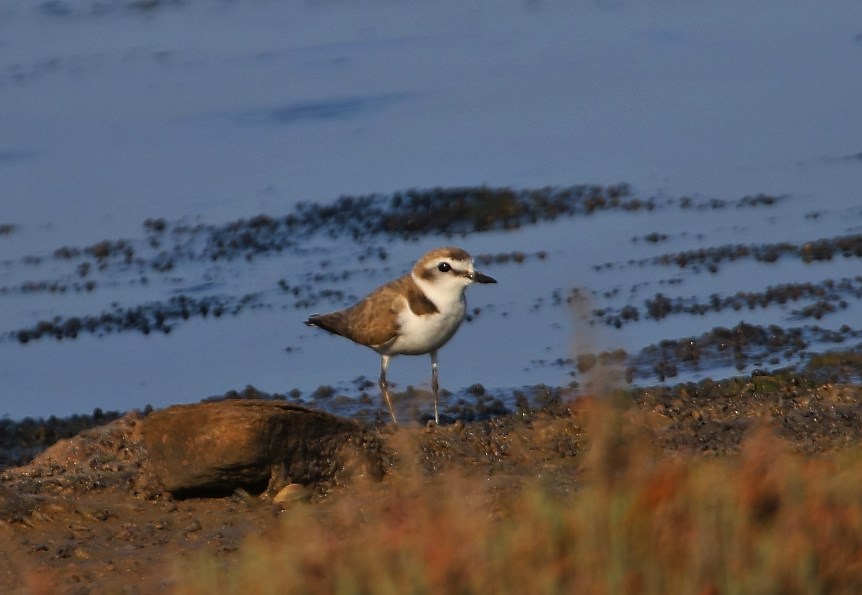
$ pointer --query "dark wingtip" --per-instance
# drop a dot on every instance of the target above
(333, 322)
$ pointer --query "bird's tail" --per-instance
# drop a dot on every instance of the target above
(335, 323)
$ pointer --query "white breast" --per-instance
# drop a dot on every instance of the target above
(420, 334)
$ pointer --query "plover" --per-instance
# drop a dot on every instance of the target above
(412, 315)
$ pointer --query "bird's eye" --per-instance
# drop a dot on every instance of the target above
(444, 267)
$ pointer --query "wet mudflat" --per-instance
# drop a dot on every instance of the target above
(228, 300)
(267, 176)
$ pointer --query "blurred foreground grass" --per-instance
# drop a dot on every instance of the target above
(632, 519)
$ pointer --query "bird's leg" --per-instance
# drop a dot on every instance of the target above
(434, 384)
(384, 388)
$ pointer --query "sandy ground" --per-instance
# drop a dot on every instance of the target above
(87, 515)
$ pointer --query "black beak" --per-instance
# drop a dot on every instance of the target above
(478, 277)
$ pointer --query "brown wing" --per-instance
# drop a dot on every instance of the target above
(373, 321)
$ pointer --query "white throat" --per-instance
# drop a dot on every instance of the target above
(446, 293)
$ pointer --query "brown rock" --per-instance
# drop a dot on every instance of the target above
(217, 447)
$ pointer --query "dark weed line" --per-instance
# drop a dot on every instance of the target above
(824, 249)
(408, 214)
(740, 346)
(830, 297)
(147, 318)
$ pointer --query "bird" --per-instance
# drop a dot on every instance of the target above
(413, 315)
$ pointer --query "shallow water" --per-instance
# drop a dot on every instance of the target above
(111, 115)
